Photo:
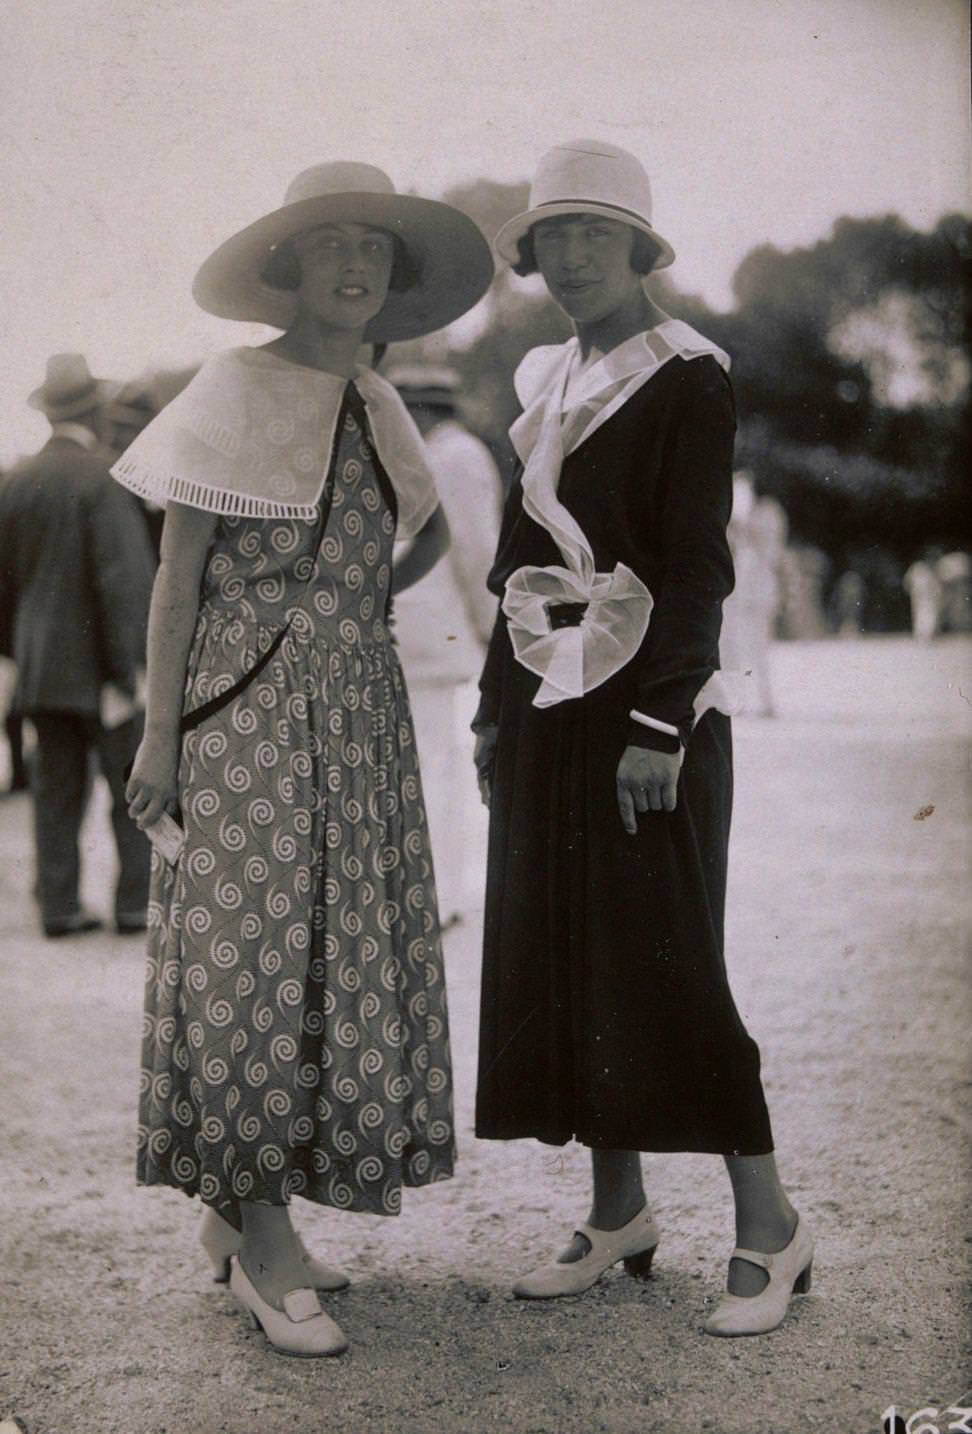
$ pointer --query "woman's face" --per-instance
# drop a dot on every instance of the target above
(345, 271)
(586, 264)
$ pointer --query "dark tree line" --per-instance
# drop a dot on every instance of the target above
(852, 377)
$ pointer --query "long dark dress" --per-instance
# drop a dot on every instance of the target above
(606, 1011)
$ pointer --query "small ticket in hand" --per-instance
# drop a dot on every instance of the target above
(166, 836)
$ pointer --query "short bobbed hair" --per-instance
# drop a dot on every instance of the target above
(282, 270)
(645, 253)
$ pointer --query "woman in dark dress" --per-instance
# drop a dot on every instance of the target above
(604, 751)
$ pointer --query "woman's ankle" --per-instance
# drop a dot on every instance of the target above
(614, 1211)
(618, 1192)
(270, 1252)
(275, 1245)
(767, 1230)
(274, 1267)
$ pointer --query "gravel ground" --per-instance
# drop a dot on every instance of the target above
(848, 915)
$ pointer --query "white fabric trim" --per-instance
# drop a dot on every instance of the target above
(654, 722)
(164, 488)
(726, 691)
(252, 436)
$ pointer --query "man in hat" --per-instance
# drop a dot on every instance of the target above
(443, 623)
(76, 573)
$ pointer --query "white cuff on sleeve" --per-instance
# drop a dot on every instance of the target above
(654, 722)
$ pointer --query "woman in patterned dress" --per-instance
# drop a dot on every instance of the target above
(295, 1037)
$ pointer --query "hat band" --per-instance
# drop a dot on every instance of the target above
(597, 204)
(58, 399)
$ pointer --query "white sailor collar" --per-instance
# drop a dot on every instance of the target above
(252, 435)
(608, 384)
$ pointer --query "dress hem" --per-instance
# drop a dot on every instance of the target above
(144, 1183)
(643, 1146)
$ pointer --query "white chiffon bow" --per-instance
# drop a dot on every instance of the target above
(573, 660)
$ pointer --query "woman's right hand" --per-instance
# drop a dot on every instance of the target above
(153, 785)
(484, 756)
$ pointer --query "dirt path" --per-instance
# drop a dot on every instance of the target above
(846, 945)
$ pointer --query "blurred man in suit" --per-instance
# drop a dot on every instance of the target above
(76, 572)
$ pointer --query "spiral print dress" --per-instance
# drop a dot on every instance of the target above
(295, 1037)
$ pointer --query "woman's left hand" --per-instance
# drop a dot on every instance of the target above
(484, 757)
(647, 782)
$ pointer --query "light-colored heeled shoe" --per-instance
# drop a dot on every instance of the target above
(789, 1273)
(301, 1328)
(221, 1241)
(634, 1243)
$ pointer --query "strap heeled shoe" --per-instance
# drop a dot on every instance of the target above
(789, 1273)
(634, 1243)
(221, 1241)
(301, 1328)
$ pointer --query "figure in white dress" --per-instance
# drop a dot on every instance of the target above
(954, 572)
(757, 537)
(924, 589)
(443, 625)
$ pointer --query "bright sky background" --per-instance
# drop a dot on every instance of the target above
(135, 136)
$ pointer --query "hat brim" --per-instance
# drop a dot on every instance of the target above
(514, 229)
(433, 397)
(455, 263)
(82, 402)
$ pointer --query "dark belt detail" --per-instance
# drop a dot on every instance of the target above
(566, 614)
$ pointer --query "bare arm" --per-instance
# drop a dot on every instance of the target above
(152, 787)
(429, 544)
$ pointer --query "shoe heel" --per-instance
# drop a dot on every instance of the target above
(801, 1285)
(221, 1270)
(640, 1265)
(255, 1321)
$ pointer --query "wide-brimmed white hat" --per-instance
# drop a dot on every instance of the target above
(586, 176)
(452, 256)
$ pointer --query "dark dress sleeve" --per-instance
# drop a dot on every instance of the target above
(507, 559)
(6, 581)
(490, 681)
(681, 648)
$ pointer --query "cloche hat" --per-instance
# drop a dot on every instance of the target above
(453, 258)
(586, 176)
(68, 389)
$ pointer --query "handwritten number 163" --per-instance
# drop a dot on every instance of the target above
(921, 1421)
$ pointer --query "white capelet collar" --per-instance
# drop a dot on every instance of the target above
(252, 436)
(573, 660)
